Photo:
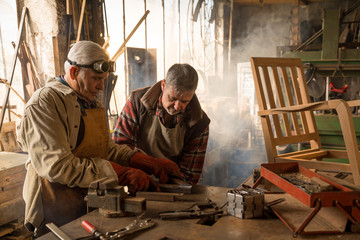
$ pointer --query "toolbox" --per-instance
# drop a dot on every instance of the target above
(12, 176)
(313, 190)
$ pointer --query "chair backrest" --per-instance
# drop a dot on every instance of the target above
(280, 82)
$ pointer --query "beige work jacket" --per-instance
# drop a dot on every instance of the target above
(48, 132)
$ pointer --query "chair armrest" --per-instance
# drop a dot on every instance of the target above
(323, 105)
(354, 103)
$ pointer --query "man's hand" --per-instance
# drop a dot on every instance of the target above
(162, 168)
(135, 179)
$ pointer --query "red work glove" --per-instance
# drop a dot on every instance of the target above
(135, 179)
(162, 168)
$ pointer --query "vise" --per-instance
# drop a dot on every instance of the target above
(112, 200)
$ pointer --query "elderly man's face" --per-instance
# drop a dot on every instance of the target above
(174, 102)
(90, 83)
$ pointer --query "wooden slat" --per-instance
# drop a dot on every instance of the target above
(319, 165)
(290, 99)
(306, 99)
(270, 95)
(294, 139)
(297, 152)
(265, 121)
(311, 155)
(281, 100)
(337, 154)
(298, 98)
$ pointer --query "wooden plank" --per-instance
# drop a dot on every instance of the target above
(12, 163)
(12, 210)
(9, 228)
(81, 20)
(56, 55)
(11, 192)
(12, 179)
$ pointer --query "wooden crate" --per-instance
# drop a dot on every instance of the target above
(12, 175)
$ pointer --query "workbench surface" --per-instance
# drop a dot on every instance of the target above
(227, 227)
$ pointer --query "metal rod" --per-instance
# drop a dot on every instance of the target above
(352, 8)
(327, 89)
(204, 38)
(163, 8)
(145, 27)
(81, 20)
(24, 12)
(106, 22)
(122, 48)
(179, 41)
(230, 32)
(192, 35)
(311, 39)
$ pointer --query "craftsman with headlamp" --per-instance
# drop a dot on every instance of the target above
(65, 133)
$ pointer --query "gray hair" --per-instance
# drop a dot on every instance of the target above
(86, 53)
(182, 77)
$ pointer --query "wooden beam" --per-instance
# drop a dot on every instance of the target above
(261, 2)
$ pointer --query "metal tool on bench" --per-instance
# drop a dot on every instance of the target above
(112, 200)
(135, 226)
(245, 203)
(176, 188)
(198, 210)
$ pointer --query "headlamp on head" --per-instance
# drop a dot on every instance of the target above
(99, 66)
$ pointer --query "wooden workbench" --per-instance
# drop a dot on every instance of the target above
(227, 227)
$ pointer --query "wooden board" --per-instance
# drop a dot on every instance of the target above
(12, 175)
(12, 210)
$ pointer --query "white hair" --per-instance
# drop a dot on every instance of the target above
(86, 53)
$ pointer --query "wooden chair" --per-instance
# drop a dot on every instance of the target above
(287, 117)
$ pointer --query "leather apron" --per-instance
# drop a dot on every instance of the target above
(61, 203)
(158, 141)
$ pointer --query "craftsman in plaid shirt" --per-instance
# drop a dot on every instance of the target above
(166, 120)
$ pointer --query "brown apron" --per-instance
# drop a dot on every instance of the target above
(61, 203)
(159, 141)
